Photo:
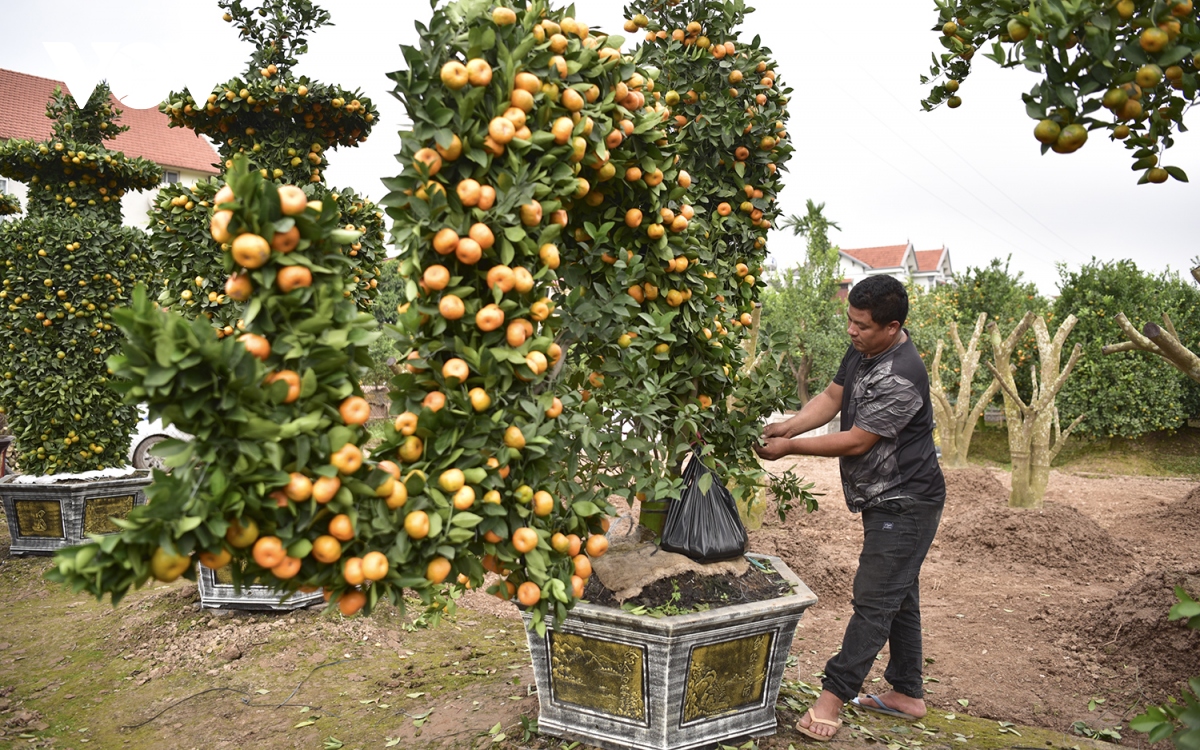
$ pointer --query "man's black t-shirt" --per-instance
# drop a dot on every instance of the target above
(888, 395)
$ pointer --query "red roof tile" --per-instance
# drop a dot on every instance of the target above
(888, 256)
(929, 260)
(23, 101)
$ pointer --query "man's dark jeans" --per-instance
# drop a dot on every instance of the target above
(887, 603)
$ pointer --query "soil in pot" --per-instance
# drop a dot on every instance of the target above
(693, 592)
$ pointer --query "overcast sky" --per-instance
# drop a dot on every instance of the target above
(972, 179)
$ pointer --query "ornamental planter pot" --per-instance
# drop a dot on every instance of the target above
(45, 517)
(217, 592)
(616, 680)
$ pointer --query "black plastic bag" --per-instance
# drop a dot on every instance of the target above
(704, 524)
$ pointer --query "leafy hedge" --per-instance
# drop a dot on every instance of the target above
(1128, 393)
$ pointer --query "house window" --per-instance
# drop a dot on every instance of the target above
(170, 178)
(3, 185)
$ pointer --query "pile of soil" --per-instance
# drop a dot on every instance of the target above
(1184, 512)
(691, 592)
(972, 487)
(1131, 634)
(1054, 536)
(826, 569)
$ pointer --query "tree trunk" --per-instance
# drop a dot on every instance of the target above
(1029, 424)
(1022, 490)
(1040, 456)
(803, 376)
(956, 424)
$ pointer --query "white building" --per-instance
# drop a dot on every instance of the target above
(926, 268)
(184, 156)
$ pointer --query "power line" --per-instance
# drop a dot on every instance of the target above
(964, 188)
(939, 199)
(966, 161)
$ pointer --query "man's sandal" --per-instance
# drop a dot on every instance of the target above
(873, 703)
(812, 718)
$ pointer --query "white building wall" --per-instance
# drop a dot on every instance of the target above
(856, 272)
(135, 206)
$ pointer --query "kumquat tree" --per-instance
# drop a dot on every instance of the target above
(544, 227)
(9, 204)
(275, 473)
(509, 107)
(286, 125)
(1126, 67)
(720, 97)
(561, 299)
(66, 266)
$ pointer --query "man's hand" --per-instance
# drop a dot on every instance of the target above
(776, 430)
(774, 448)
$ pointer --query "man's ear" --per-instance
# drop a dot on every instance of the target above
(893, 328)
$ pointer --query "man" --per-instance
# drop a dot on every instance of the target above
(891, 476)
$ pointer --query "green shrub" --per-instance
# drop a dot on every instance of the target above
(1128, 393)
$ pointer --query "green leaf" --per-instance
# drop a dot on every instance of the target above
(585, 508)
(465, 520)
(188, 523)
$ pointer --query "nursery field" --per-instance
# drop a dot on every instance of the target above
(1035, 620)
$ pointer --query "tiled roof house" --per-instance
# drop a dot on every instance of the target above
(184, 156)
(926, 268)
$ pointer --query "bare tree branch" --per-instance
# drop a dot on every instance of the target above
(1010, 343)
(1012, 393)
(1170, 326)
(1136, 339)
(1049, 394)
(1061, 439)
(984, 400)
(937, 390)
(1162, 342)
(1124, 346)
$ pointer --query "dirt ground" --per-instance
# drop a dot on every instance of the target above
(1029, 617)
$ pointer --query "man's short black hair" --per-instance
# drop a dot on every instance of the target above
(882, 296)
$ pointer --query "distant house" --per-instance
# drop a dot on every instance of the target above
(926, 268)
(183, 156)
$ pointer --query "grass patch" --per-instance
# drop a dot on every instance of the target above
(1163, 453)
(938, 729)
